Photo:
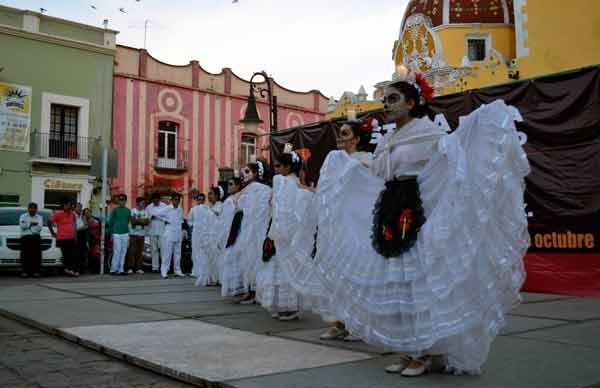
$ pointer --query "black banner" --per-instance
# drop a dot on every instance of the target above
(561, 115)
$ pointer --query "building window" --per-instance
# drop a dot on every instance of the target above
(64, 122)
(225, 174)
(9, 200)
(248, 149)
(167, 140)
(476, 49)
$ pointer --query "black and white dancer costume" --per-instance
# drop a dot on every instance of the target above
(460, 267)
(274, 291)
(241, 260)
(205, 219)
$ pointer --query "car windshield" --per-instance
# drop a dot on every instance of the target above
(10, 217)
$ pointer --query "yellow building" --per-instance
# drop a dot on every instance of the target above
(349, 101)
(469, 44)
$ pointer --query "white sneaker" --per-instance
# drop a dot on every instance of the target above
(130, 271)
(249, 301)
(139, 272)
(164, 277)
(275, 315)
(179, 275)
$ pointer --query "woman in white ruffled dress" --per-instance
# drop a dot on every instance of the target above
(206, 220)
(439, 278)
(198, 219)
(227, 250)
(354, 139)
(215, 197)
(273, 289)
(253, 206)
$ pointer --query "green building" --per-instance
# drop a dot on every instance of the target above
(56, 83)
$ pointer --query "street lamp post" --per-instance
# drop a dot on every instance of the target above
(251, 121)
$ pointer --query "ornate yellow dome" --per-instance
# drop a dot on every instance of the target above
(444, 12)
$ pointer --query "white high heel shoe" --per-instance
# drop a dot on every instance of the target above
(398, 368)
(417, 367)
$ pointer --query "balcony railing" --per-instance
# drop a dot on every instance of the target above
(170, 164)
(60, 148)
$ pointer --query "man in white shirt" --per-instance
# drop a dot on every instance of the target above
(156, 229)
(172, 216)
(31, 225)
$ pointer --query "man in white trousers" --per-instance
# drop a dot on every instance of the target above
(172, 216)
(118, 225)
(156, 229)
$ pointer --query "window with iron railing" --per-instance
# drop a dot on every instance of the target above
(167, 140)
(63, 141)
(170, 150)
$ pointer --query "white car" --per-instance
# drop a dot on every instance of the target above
(10, 239)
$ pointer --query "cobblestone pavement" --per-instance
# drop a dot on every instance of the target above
(31, 358)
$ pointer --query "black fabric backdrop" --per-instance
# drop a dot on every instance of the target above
(561, 115)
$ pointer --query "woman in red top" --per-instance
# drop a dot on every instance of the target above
(65, 236)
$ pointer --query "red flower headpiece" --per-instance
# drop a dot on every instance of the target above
(367, 125)
(417, 80)
(426, 91)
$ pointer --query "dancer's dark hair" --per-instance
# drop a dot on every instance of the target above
(288, 160)
(262, 178)
(364, 136)
(217, 192)
(237, 181)
(411, 93)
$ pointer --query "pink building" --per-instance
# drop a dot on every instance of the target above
(177, 127)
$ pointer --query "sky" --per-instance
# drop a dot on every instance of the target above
(329, 45)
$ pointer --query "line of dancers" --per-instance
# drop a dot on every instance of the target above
(416, 247)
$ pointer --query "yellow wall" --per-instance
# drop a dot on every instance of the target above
(493, 70)
(343, 107)
(560, 36)
(454, 41)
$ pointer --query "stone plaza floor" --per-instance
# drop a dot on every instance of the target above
(192, 335)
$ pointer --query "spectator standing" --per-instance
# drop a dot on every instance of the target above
(156, 229)
(171, 245)
(137, 234)
(31, 254)
(81, 240)
(94, 231)
(65, 236)
(118, 224)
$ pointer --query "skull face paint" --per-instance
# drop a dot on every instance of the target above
(248, 175)
(346, 140)
(395, 105)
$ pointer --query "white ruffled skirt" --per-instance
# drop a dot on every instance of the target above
(449, 293)
(232, 273)
(273, 289)
(205, 258)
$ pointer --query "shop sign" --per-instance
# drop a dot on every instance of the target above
(57, 184)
